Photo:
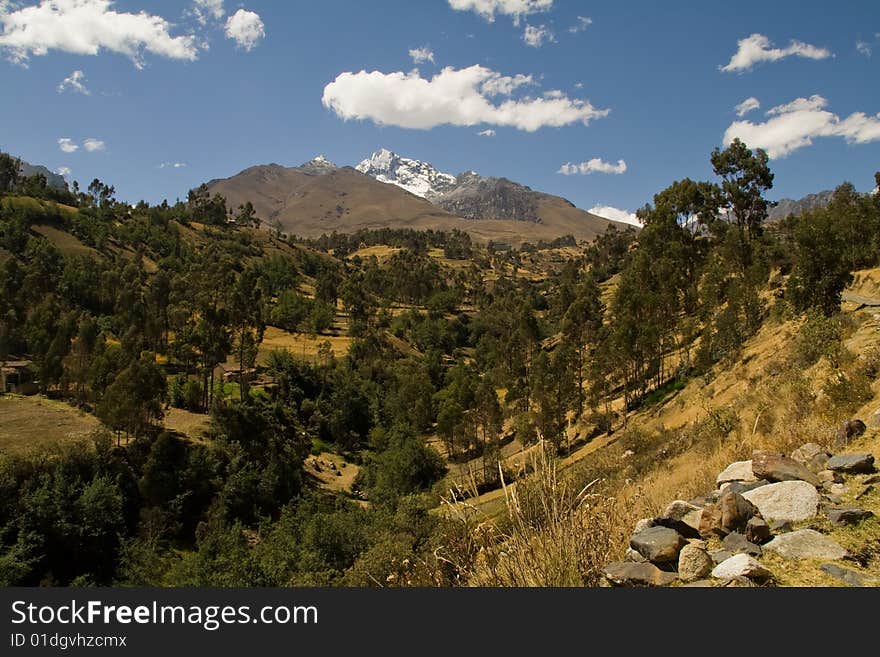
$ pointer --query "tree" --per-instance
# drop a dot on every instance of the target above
(247, 216)
(745, 177)
(822, 266)
(581, 327)
(9, 172)
(134, 401)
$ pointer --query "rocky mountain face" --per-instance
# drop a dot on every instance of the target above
(52, 179)
(787, 206)
(786, 505)
(467, 195)
(475, 197)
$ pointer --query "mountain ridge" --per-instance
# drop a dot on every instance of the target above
(319, 197)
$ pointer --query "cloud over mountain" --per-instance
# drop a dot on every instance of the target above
(461, 97)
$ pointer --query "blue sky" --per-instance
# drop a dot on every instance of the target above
(216, 86)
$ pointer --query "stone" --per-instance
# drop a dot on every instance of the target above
(806, 453)
(680, 526)
(829, 477)
(729, 514)
(720, 555)
(710, 522)
(865, 491)
(778, 467)
(740, 565)
(694, 564)
(847, 515)
(737, 544)
(738, 583)
(806, 544)
(658, 544)
(758, 531)
(787, 501)
(633, 556)
(643, 524)
(849, 431)
(739, 471)
(845, 575)
(736, 511)
(780, 526)
(622, 573)
(703, 545)
(678, 509)
(873, 479)
(703, 500)
(743, 486)
(835, 489)
(693, 519)
(699, 584)
(852, 463)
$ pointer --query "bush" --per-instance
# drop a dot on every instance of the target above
(820, 336)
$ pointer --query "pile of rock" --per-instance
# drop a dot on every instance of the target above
(753, 510)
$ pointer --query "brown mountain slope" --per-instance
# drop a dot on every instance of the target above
(309, 202)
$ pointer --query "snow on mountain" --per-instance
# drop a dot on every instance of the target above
(319, 165)
(416, 177)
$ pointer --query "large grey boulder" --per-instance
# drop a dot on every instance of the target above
(694, 563)
(847, 515)
(852, 463)
(791, 501)
(739, 471)
(622, 573)
(658, 544)
(740, 565)
(778, 467)
(806, 544)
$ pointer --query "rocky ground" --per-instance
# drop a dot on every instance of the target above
(770, 516)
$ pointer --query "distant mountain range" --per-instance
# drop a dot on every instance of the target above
(387, 190)
(787, 206)
(52, 179)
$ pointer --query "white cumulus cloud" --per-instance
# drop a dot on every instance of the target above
(615, 214)
(757, 48)
(582, 24)
(92, 145)
(486, 133)
(67, 145)
(63, 172)
(421, 55)
(85, 27)
(172, 165)
(203, 10)
(596, 165)
(535, 36)
(514, 8)
(796, 124)
(461, 97)
(246, 28)
(75, 82)
(748, 105)
(864, 48)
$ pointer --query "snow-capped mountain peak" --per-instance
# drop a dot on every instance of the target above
(416, 177)
(319, 164)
